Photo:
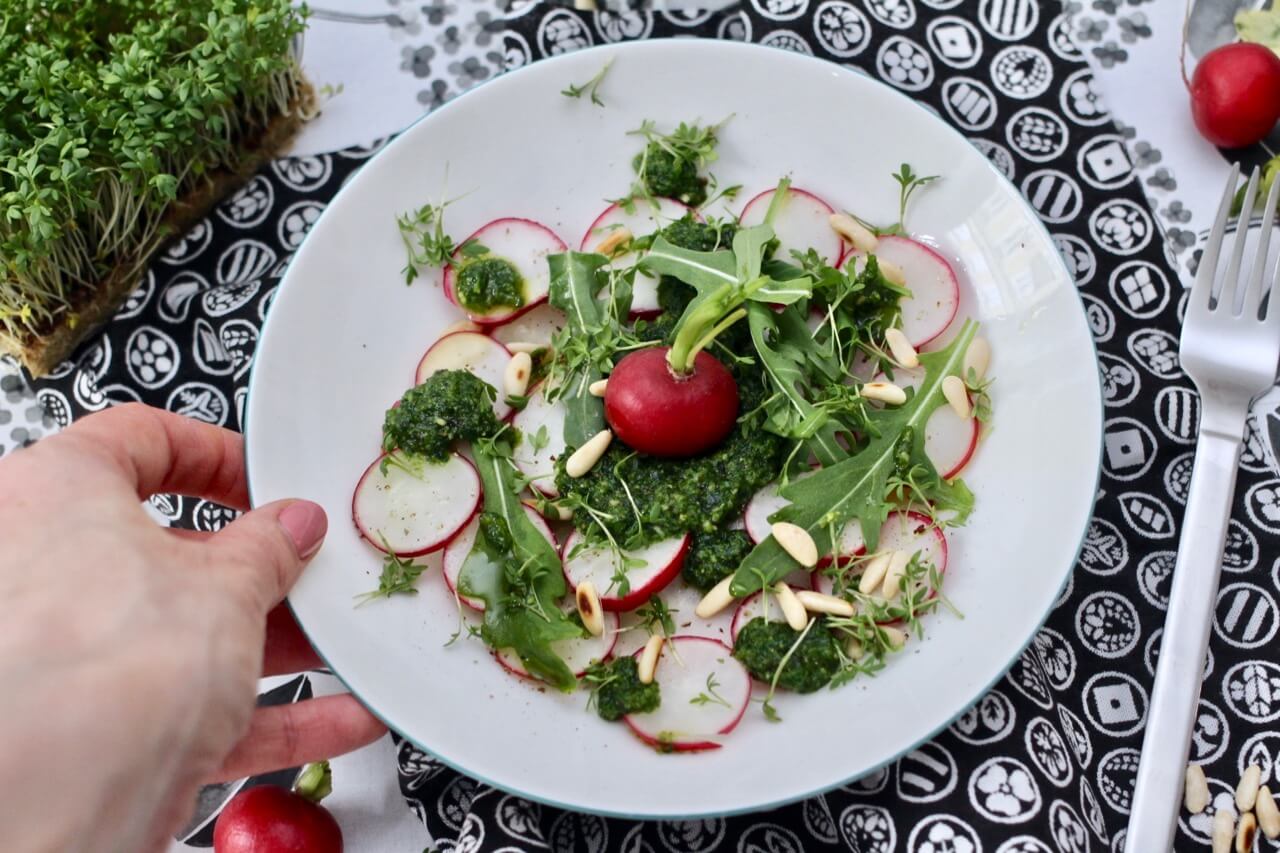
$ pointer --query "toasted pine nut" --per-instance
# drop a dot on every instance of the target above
(515, 380)
(893, 574)
(1246, 834)
(901, 349)
(977, 358)
(885, 392)
(596, 389)
(792, 609)
(716, 600)
(589, 608)
(1224, 830)
(892, 272)
(523, 346)
(820, 602)
(649, 659)
(1268, 813)
(896, 636)
(853, 231)
(615, 239)
(562, 512)
(586, 456)
(797, 542)
(873, 574)
(1195, 792)
(957, 395)
(1247, 790)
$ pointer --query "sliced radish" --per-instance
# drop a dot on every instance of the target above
(598, 564)
(949, 440)
(474, 353)
(644, 220)
(751, 607)
(415, 513)
(536, 326)
(767, 501)
(935, 290)
(539, 464)
(915, 533)
(803, 222)
(577, 653)
(525, 244)
(686, 669)
(455, 553)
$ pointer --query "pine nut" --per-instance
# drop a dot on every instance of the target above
(958, 396)
(562, 512)
(617, 238)
(460, 326)
(853, 231)
(896, 637)
(797, 542)
(1247, 833)
(893, 574)
(901, 349)
(1247, 790)
(1268, 813)
(586, 456)
(596, 389)
(589, 608)
(515, 380)
(1195, 792)
(792, 609)
(1224, 830)
(820, 602)
(885, 392)
(977, 358)
(523, 346)
(853, 649)
(716, 600)
(649, 659)
(873, 574)
(892, 272)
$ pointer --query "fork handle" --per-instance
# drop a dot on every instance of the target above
(1157, 797)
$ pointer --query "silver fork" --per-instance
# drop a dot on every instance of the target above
(1230, 347)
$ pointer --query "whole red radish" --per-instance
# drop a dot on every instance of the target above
(654, 410)
(271, 819)
(1235, 94)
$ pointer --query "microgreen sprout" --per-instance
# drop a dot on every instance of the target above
(591, 87)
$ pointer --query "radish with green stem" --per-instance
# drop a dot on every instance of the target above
(271, 819)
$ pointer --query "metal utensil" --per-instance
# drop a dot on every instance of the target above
(1230, 347)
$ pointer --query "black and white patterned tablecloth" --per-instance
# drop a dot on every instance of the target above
(1046, 760)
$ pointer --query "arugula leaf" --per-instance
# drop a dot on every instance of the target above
(858, 487)
(575, 281)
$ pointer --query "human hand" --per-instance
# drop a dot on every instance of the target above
(130, 653)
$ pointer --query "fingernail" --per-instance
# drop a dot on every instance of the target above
(306, 524)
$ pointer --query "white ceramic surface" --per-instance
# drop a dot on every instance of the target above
(345, 334)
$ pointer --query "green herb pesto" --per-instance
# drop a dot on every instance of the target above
(488, 282)
(761, 646)
(666, 173)
(618, 690)
(689, 233)
(451, 406)
(714, 556)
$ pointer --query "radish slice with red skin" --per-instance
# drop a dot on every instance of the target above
(949, 440)
(539, 465)
(415, 514)
(645, 220)
(803, 222)
(767, 501)
(682, 675)
(595, 563)
(525, 244)
(536, 326)
(902, 531)
(751, 607)
(474, 353)
(577, 653)
(455, 553)
(935, 289)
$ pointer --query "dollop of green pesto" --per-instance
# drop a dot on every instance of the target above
(667, 174)
(451, 406)
(761, 646)
(698, 236)
(618, 691)
(488, 282)
(713, 556)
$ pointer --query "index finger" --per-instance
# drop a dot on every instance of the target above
(160, 452)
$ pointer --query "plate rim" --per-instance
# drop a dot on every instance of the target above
(746, 48)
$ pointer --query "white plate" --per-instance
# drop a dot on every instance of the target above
(345, 333)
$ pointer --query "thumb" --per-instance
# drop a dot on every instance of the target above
(271, 544)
